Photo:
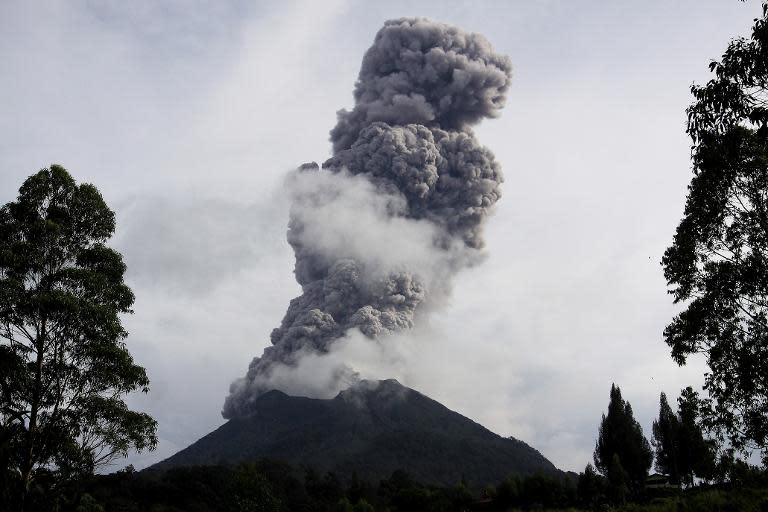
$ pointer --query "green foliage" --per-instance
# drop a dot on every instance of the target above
(363, 506)
(534, 492)
(345, 505)
(591, 489)
(325, 490)
(717, 264)
(622, 453)
(276, 486)
(88, 504)
(64, 365)
(251, 492)
(707, 499)
(696, 454)
(682, 452)
(266, 485)
(738, 473)
(618, 481)
(666, 440)
(508, 493)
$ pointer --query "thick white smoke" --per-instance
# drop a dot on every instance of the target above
(379, 232)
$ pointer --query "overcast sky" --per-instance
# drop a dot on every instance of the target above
(188, 115)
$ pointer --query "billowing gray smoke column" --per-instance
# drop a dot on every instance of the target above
(421, 86)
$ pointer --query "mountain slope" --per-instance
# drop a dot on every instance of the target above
(370, 429)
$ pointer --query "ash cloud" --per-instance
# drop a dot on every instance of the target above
(398, 209)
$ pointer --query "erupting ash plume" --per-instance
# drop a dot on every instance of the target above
(399, 207)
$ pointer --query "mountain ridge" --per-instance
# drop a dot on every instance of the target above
(370, 429)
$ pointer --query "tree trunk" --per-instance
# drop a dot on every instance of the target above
(29, 456)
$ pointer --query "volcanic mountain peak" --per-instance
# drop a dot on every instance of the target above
(377, 393)
(372, 429)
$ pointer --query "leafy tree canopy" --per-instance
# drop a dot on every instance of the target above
(63, 365)
(682, 452)
(621, 449)
(717, 264)
(666, 435)
(696, 455)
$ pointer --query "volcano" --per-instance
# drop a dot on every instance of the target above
(371, 430)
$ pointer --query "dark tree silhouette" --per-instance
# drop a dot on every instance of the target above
(64, 365)
(717, 264)
(591, 488)
(666, 440)
(682, 451)
(696, 455)
(620, 435)
(619, 481)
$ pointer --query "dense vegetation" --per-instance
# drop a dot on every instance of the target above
(717, 265)
(270, 486)
(622, 453)
(64, 368)
(682, 451)
(722, 483)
